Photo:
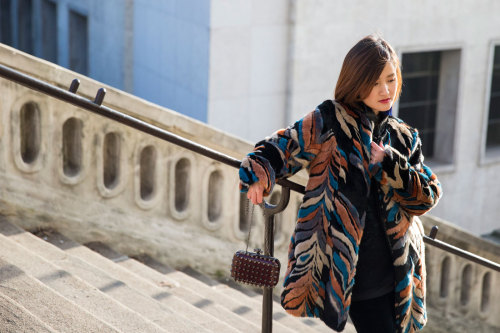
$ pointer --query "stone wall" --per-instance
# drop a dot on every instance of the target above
(95, 180)
(459, 288)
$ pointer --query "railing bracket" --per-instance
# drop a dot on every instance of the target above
(100, 96)
(434, 232)
(75, 84)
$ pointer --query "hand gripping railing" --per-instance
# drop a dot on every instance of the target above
(269, 211)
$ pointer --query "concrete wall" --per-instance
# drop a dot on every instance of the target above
(106, 34)
(158, 50)
(171, 54)
(248, 66)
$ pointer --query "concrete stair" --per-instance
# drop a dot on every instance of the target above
(53, 284)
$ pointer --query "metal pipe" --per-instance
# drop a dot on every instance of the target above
(269, 212)
(461, 253)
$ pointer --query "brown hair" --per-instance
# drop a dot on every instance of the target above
(362, 67)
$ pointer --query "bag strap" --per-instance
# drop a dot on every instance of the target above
(249, 210)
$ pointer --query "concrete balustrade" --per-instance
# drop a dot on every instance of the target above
(97, 180)
(459, 288)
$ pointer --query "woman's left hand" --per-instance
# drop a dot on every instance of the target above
(378, 152)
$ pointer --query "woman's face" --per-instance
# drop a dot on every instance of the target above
(384, 91)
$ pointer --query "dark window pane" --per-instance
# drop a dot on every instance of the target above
(495, 81)
(78, 43)
(25, 26)
(497, 55)
(493, 131)
(422, 117)
(494, 108)
(49, 31)
(427, 143)
(422, 61)
(418, 105)
(6, 22)
(413, 116)
(420, 88)
(493, 136)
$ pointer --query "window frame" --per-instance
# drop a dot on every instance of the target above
(439, 166)
(73, 8)
(428, 74)
(488, 155)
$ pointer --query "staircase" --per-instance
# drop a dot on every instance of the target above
(50, 283)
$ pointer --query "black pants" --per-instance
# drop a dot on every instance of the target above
(374, 315)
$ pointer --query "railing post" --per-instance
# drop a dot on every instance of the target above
(269, 212)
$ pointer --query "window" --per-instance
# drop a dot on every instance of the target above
(493, 131)
(429, 99)
(49, 31)
(25, 40)
(16, 24)
(6, 22)
(418, 105)
(78, 43)
(21, 28)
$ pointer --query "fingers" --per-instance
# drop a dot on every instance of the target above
(375, 146)
(249, 194)
(255, 193)
(377, 153)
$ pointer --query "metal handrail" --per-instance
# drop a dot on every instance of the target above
(97, 107)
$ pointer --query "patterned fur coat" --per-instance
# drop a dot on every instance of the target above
(333, 143)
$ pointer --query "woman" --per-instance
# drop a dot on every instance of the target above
(357, 247)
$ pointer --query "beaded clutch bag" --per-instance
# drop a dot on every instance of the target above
(255, 269)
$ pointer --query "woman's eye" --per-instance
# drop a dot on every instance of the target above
(392, 80)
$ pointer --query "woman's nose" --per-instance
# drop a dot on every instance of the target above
(384, 89)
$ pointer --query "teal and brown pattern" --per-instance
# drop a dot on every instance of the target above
(333, 144)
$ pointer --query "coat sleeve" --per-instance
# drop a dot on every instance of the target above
(283, 154)
(412, 184)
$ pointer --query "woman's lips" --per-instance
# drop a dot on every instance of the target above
(384, 101)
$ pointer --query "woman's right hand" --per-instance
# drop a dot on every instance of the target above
(255, 193)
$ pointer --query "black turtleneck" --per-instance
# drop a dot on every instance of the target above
(374, 270)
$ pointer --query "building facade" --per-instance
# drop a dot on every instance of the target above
(157, 50)
(250, 67)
